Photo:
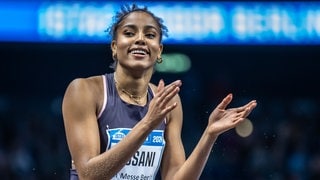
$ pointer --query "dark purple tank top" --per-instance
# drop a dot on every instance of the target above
(115, 120)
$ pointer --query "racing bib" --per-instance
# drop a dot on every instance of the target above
(146, 161)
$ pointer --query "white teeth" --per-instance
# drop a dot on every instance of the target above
(138, 52)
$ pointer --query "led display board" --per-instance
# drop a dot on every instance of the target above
(188, 22)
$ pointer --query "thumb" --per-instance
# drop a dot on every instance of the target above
(225, 102)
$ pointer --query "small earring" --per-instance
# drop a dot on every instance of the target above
(159, 60)
(114, 56)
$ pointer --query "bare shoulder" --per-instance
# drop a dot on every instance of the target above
(92, 84)
(86, 90)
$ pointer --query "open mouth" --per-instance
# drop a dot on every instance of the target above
(138, 51)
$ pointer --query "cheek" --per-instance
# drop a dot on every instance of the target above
(155, 48)
(123, 43)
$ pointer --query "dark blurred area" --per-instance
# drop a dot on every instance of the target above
(284, 80)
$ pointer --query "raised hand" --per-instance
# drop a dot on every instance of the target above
(222, 119)
(162, 103)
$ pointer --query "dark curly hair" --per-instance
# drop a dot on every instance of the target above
(125, 11)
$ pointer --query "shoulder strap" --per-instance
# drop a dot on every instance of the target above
(104, 81)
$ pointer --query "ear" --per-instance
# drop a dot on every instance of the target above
(114, 46)
(160, 50)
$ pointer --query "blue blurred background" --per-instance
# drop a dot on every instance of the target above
(268, 51)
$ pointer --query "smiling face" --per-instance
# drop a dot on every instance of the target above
(137, 42)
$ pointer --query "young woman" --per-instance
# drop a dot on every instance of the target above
(120, 126)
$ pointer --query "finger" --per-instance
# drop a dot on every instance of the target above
(244, 107)
(170, 108)
(249, 109)
(170, 95)
(225, 102)
(160, 87)
(173, 85)
(177, 83)
(169, 88)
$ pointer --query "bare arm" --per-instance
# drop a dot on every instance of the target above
(80, 106)
(220, 120)
(175, 165)
(174, 154)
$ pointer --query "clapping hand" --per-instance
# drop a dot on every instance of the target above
(163, 103)
(222, 119)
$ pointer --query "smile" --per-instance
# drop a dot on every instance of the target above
(139, 51)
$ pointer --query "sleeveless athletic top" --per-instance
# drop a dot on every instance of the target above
(115, 121)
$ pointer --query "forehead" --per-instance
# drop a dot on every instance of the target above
(140, 19)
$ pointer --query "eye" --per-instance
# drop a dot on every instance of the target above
(150, 35)
(128, 33)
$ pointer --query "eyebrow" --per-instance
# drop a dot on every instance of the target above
(133, 26)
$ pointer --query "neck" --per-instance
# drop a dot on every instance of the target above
(134, 90)
(134, 82)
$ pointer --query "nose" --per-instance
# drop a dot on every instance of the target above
(140, 39)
